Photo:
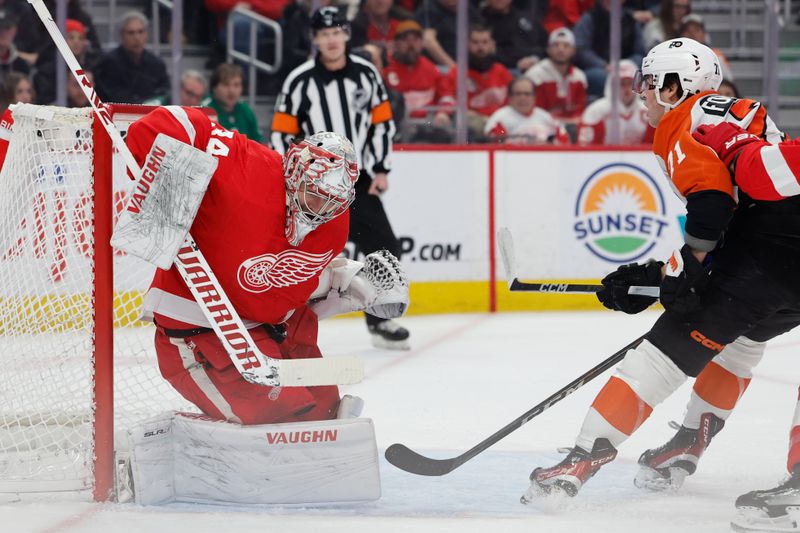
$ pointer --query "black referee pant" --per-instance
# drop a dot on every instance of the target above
(370, 230)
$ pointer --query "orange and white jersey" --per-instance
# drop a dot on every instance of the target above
(695, 172)
(693, 167)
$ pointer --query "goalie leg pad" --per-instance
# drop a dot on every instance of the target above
(181, 457)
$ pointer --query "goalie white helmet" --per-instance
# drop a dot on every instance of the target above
(696, 65)
(321, 173)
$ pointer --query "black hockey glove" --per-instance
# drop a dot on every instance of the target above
(614, 294)
(686, 279)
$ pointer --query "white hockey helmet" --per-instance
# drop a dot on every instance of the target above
(321, 173)
(696, 65)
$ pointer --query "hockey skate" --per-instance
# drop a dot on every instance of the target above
(666, 467)
(389, 335)
(349, 407)
(568, 476)
(776, 509)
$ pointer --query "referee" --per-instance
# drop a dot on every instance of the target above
(343, 93)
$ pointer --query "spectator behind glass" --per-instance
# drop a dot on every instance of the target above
(642, 11)
(560, 85)
(693, 27)
(16, 88)
(264, 45)
(75, 96)
(10, 61)
(419, 81)
(193, 88)
(565, 13)
(520, 37)
(728, 88)
(34, 42)
(226, 93)
(376, 23)
(668, 23)
(45, 78)
(593, 44)
(130, 73)
(438, 17)
(487, 80)
(521, 121)
(272, 9)
(596, 120)
(192, 91)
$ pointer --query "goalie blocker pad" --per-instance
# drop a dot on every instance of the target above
(164, 201)
(183, 457)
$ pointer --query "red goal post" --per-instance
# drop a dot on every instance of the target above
(77, 365)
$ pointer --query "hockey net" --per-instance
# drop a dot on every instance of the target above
(55, 329)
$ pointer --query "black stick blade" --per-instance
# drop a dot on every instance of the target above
(407, 459)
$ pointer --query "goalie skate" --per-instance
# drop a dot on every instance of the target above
(666, 467)
(389, 335)
(776, 509)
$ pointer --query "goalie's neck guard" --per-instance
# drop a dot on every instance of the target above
(321, 173)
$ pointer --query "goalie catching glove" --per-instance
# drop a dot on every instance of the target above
(377, 286)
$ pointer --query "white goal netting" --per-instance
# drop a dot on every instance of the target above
(46, 308)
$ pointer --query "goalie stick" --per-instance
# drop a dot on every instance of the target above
(506, 245)
(407, 459)
(252, 364)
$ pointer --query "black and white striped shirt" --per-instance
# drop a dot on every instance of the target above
(352, 102)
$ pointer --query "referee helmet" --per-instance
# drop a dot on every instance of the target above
(329, 17)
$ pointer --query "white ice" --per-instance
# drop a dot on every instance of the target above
(467, 376)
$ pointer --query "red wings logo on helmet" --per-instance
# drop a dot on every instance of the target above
(323, 161)
(290, 267)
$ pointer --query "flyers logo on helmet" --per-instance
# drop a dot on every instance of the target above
(290, 267)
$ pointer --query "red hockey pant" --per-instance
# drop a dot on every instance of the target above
(198, 367)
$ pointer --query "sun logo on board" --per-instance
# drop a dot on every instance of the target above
(620, 213)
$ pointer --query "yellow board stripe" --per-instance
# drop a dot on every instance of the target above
(55, 313)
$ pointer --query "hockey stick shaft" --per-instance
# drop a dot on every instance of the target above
(251, 363)
(407, 459)
(506, 244)
(515, 285)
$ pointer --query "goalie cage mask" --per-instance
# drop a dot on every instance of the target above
(321, 173)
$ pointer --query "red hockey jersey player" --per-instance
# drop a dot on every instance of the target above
(268, 227)
(761, 170)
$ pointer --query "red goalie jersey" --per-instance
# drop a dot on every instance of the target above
(239, 227)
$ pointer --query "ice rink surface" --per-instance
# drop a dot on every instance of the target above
(467, 376)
